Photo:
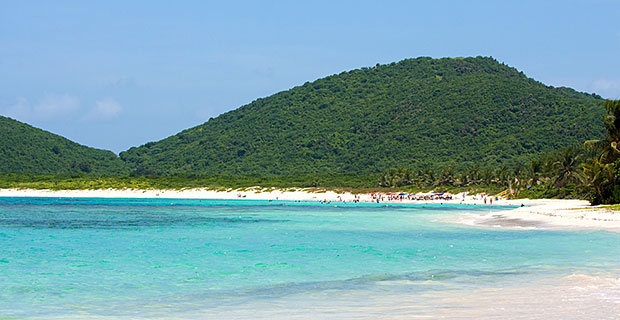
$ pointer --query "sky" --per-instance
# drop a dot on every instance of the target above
(116, 74)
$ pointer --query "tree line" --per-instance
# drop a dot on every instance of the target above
(589, 171)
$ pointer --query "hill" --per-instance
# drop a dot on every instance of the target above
(26, 149)
(424, 112)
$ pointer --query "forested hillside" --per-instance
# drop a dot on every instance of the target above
(417, 113)
(26, 149)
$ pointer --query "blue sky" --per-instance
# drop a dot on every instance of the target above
(116, 74)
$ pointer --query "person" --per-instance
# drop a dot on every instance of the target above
(522, 205)
(485, 200)
(491, 200)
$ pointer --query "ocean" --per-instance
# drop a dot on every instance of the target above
(92, 258)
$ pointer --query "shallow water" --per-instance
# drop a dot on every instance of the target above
(162, 258)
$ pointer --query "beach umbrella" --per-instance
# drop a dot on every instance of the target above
(403, 194)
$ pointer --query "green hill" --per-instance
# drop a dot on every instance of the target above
(26, 149)
(456, 112)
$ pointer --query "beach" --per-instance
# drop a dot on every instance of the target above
(536, 213)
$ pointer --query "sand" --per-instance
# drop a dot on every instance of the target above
(536, 214)
(547, 214)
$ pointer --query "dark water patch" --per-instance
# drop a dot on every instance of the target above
(413, 282)
(416, 282)
(154, 221)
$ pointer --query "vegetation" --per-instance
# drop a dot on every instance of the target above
(83, 181)
(417, 113)
(591, 171)
(556, 174)
(25, 149)
(604, 170)
(423, 124)
(614, 207)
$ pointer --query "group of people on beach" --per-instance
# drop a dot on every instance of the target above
(391, 197)
(416, 197)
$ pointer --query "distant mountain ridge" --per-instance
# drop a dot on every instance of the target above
(417, 113)
(26, 149)
(424, 112)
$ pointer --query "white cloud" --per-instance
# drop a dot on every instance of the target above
(105, 109)
(605, 84)
(20, 110)
(48, 107)
(52, 105)
(63, 107)
(607, 88)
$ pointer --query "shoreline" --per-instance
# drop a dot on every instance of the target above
(536, 214)
(546, 214)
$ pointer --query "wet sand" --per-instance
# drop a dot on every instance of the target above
(547, 214)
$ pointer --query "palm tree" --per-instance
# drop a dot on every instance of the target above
(566, 165)
(602, 178)
(503, 176)
(603, 170)
(609, 147)
(487, 176)
(429, 177)
(446, 177)
(519, 175)
(534, 171)
(462, 179)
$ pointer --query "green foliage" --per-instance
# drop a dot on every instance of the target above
(466, 124)
(591, 171)
(608, 147)
(603, 171)
(556, 174)
(615, 207)
(25, 149)
(80, 181)
(417, 113)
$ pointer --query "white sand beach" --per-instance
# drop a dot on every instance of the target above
(539, 213)
(547, 214)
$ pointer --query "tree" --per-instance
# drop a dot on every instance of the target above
(566, 165)
(601, 177)
(608, 147)
(603, 171)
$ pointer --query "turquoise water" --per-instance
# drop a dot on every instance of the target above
(150, 258)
